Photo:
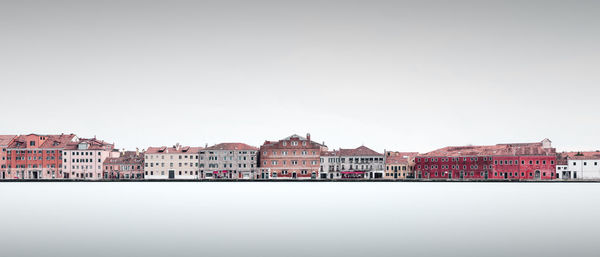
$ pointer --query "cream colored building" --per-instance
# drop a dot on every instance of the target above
(83, 158)
(176, 162)
(399, 165)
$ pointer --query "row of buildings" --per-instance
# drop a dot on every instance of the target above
(67, 156)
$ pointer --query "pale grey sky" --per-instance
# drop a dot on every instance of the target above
(397, 75)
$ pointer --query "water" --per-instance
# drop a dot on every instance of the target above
(299, 219)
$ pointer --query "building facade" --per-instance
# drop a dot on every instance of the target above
(83, 158)
(229, 161)
(399, 165)
(579, 165)
(36, 156)
(520, 161)
(361, 163)
(124, 165)
(330, 165)
(294, 157)
(5, 141)
(176, 162)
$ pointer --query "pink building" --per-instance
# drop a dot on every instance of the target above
(5, 140)
(82, 159)
(126, 165)
(36, 156)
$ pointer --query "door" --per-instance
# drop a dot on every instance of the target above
(537, 174)
(294, 175)
(2, 175)
(67, 175)
(505, 175)
(35, 175)
(485, 175)
(171, 174)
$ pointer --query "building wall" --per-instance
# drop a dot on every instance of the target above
(293, 158)
(487, 167)
(369, 164)
(159, 165)
(123, 171)
(528, 167)
(441, 167)
(229, 164)
(562, 172)
(3, 162)
(329, 167)
(84, 164)
(584, 169)
(396, 171)
(30, 161)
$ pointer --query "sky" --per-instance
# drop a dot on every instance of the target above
(394, 75)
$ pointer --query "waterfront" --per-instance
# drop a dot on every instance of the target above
(299, 219)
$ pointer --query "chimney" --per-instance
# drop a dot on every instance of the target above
(137, 151)
(308, 137)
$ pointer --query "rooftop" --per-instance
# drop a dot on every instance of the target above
(6, 139)
(359, 151)
(396, 159)
(232, 146)
(127, 157)
(176, 149)
(92, 144)
(537, 148)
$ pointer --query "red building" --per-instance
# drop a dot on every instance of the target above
(520, 161)
(127, 165)
(294, 157)
(36, 156)
(5, 141)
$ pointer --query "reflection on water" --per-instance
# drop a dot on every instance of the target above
(299, 219)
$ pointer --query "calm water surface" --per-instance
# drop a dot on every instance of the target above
(299, 219)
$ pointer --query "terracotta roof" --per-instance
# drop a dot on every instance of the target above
(581, 155)
(330, 153)
(176, 149)
(93, 144)
(6, 139)
(294, 136)
(402, 154)
(232, 146)
(50, 141)
(58, 141)
(128, 157)
(499, 149)
(359, 151)
(398, 159)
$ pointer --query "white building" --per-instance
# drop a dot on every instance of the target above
(580, 165)
(83, 158)
(330, 165)
(229, 161)
(177, 162)
(361, 163)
